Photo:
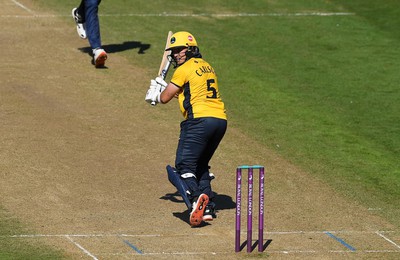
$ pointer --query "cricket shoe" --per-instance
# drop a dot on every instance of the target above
(196, 216)
(80, 24)
(209, 212)
(99, 57)
(212, 176)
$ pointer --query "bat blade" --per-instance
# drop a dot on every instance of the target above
(165, 63)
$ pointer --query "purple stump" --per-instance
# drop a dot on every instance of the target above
(250, 211)
(261, 212)
(238, 209)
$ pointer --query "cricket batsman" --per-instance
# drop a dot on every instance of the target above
(194, 83)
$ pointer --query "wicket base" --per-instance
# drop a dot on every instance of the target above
(250, 207)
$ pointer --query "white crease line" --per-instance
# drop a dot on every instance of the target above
(160, 235)
(387, 239)
(323, 232)
(272, 252)
(285, 252)
(381, 251)
(380, 232)
(100, 235)
(82, 248)
(191, 15)
(22, 6)
(233, 14)
(165, 253)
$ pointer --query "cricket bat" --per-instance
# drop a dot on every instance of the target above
(165, 63)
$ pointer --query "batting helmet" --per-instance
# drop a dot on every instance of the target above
(182, 39)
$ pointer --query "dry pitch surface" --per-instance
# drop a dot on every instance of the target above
(83, 159)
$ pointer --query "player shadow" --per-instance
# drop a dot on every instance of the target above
(120, 47)
(184, 216)
(255, 244)
(174, 197)
(222, 202)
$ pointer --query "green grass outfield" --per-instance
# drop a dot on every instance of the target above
(21, 248)
(321, 90)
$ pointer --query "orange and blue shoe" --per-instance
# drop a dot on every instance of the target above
(99, 57)
(196, 216)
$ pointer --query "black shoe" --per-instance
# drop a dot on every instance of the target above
(80, 24)
(209, 212)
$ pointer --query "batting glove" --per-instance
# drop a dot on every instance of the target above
(154, 92)
(161, 81)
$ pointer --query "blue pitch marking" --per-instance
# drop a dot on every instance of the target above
(340, 240)
(133, 247)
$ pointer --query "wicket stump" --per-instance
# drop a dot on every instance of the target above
(250, 169)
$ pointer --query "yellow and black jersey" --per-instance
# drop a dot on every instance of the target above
(200, 96)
